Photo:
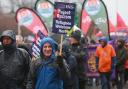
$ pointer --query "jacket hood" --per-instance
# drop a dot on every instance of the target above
(8, 33)
(122, 43)
(53, 44)
(11, 47)
(104, 39)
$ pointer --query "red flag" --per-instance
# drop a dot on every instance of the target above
(111, 27)
(120, 22)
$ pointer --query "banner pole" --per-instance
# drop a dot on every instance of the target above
(19, 30)
(61, 44)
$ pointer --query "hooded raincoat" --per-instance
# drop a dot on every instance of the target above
(45, 73)
(14, 64)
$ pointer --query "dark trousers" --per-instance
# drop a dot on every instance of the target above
(82, 84)
(119, 80)
(126, 75)
(105, 80)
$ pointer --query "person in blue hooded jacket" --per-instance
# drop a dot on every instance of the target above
(46, 71)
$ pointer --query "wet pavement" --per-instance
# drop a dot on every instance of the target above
(99, 87)
(95, 85)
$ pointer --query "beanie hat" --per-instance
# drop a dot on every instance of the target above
(76, 35)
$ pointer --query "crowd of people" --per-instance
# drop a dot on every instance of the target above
(60, 70)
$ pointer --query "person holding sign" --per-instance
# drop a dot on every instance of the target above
(47, 71)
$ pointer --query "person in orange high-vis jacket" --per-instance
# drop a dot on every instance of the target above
(105, 61)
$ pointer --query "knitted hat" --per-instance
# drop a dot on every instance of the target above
(76, 35)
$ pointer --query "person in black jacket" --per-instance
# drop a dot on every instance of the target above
(14, 63)
(121, 59)
(80, 52)
(72, 82)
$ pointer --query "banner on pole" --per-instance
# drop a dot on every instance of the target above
(28, 18)
(94, 19)
(45, 10)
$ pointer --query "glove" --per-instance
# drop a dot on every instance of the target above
(59, 60)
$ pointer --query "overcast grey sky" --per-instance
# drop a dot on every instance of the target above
(9, 6)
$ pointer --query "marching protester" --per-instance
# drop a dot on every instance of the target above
(70, 83)
(79, 52)
(105, 62)
(49, 70)
(120, 65)
(14, 63)
(126, 65)
(126, 68)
